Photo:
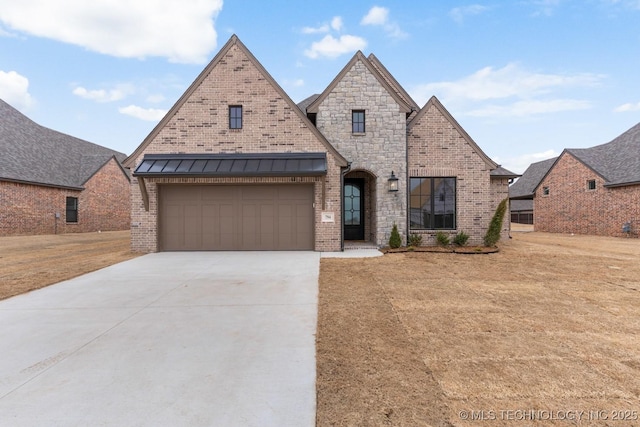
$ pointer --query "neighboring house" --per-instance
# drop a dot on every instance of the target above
(237, 165)
(54, 183)
(593, 190)
(522, 191)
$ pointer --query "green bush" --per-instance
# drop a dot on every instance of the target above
(395, 241)
(495, 226)
(415, 240)
(461, 239)
(442, 238)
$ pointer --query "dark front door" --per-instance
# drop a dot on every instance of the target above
(354, 209)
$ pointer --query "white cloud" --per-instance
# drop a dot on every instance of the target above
(379, 16)
(513, 91)
(103, 95)
(331, 47)
(14, 90)
(336, 24)
(509, 81)
(530, 108)
(149, 114)
(376, 16)
(458, 14)
(178, 30)
(315, 30)
(627, 107)
(519, 164)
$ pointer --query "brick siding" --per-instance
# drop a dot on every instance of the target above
(102, 206)
(270, 125)
(437, 149)
(571, 207)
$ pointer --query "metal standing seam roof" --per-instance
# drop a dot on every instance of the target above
(230, 165)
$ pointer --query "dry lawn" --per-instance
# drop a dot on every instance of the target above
(532, 335)
(32, 262)
(549, 327)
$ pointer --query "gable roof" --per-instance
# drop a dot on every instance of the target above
(233, 41)
(34, 154)
(617, 162)
(525, 187)
(393, 82)
(435, 102)
(313, 107)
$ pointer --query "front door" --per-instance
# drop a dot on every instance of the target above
(353, 209)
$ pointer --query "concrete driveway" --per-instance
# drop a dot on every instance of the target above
(167, 339)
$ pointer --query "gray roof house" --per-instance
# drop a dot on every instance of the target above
(522, 191)
(592, 190)
(43, 174)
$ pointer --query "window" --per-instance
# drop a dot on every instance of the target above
(357, 121)
(433, 203)
(235, 117)
(72, 209)
(591, 184)
(545, 191)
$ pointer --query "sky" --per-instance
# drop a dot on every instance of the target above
(525, 78)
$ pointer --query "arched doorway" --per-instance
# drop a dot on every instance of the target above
(359, 206)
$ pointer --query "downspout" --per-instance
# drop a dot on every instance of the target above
(342, 174)
(407, 185)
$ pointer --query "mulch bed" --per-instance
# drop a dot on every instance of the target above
(469, 250)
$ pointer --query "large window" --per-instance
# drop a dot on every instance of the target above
(235, 117)
(71, 214)
(433, 203)
(357, 121)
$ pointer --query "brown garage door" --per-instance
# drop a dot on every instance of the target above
(236, 217)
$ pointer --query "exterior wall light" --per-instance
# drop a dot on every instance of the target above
(393, 183)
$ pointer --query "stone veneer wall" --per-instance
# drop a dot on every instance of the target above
(270, 125)
(379, 151)
(437, 149)
(572, 208)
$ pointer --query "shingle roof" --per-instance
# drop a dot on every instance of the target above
(35, 154)
(307, 101)
(525, 186)
(618, 161)
(501, 172)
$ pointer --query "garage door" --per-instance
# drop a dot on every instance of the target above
(236, 217)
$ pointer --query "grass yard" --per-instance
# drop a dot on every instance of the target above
(545, 332)
(32, 262)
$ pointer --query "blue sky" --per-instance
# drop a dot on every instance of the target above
(525, 78)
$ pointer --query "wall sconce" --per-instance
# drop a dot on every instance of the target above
(393, 183)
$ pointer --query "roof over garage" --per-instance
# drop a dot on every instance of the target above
(240, 164)
(34, 154)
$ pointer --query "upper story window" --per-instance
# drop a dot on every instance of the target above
(591, 184)
(235, 116)
(71, 214)
(545, 191)
(432, 203)
(357, 121)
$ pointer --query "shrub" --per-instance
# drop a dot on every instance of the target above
(461, 239)
(395, 241)
(495, 226)
(442, 238)
(415, 240)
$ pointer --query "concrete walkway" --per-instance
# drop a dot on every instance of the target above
(167, 339)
